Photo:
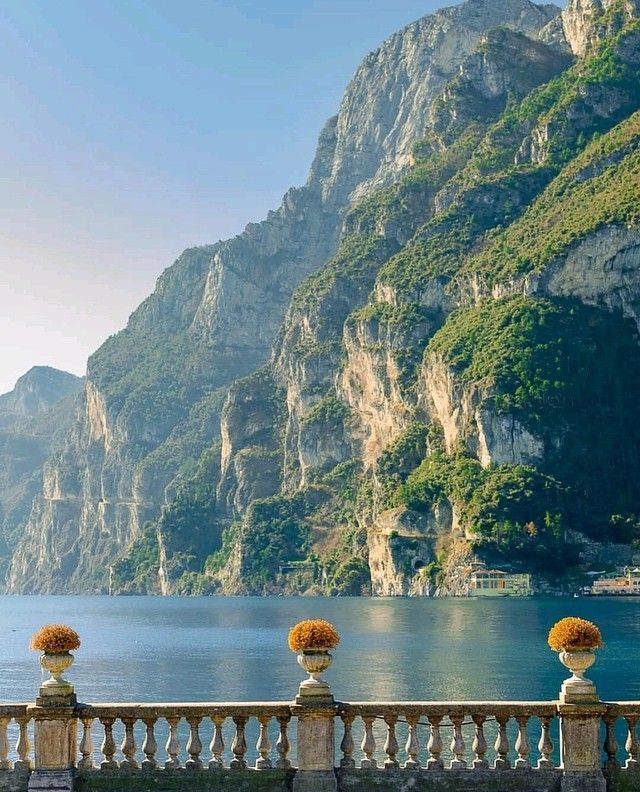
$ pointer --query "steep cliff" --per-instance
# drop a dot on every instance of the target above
(387, 376)
(153, 394)
(33, 419)
(475, 298)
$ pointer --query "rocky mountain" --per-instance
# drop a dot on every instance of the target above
(34, 417)
(426, 355)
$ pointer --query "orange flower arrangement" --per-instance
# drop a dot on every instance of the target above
(573, 634)
(55, 639)
(313, 634)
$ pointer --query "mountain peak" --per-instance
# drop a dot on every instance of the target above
(38, 390)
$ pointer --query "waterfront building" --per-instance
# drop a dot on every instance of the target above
(616, 584)
(496, 583)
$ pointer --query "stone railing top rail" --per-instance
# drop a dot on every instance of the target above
(453, 706)
(13, 710)
(622, 707)
(275, 708)
(186, 709)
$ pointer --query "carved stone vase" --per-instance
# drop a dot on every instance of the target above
(56, 665)
(577, 689)
(314, 662)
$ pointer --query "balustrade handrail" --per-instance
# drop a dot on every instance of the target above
(520, 707)
(621, 707)
(13, 710)
(196, 709)
(546, 706)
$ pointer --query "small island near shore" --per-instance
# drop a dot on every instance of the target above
(418, 376)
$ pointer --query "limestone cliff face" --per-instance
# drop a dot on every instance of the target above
(402, 544)
(350, 354)
(303, 353)
(399, 81)
(33, 419)
(387, 107)
(349, 342)
(581, 21)
(154, 392)
(601, 269)
(370, 384)
(469, 419)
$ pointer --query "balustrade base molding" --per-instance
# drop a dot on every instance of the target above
(315, 781)
(583, 782)
(51, 780)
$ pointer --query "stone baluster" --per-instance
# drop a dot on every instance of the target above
(457, 742)
(435, 746)
(23, 746)
(5, 764)
(150, 745)
(545, 746)
(368, 744)
(412, 746)
(479, 745)
(347, 745)
(391, 741)
(239, 744)
(108, 747)
(631, 745)
(263, 746)
(194, 745)
(611, 744)
(86, 744)
(217, 744)
(502, 744)
(523, 747)
(128, 746)
(283, 745)
(173, 744)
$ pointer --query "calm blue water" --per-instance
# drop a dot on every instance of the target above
(174, 649)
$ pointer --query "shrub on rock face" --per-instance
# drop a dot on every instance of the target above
(313, 634)
(574, 634)
(55, 639)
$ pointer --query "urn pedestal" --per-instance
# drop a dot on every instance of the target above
(577, 689)
(56, 691)
(314, 662)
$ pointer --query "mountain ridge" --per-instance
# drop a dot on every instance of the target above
(264, 419)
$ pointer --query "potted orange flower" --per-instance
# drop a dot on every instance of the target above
(312, 639)
(575, 641)
(56, 641)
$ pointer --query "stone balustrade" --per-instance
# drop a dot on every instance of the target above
(317, 744)
(14, 719)
(475, 735)
(210, 736)
(621, 752)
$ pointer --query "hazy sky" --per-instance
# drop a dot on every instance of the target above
(135, 128)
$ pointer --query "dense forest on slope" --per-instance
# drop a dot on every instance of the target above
(448, 374)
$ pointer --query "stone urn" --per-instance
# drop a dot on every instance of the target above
(315, 662)
(56, 665)
(577, 688)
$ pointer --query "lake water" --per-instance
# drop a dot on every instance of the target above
(234, 649)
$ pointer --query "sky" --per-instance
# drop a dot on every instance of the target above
(132, 129)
